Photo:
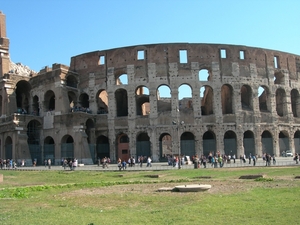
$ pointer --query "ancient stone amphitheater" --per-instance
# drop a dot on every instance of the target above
(151, 100)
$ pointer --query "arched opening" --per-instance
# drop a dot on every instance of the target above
(207, 97)
(35, 106)
(267, 142)
(264, 99)
(67, 147)
(90, 131)
(165, 146)
(163, 98)
(22, 96)
(278, 78)
(122, 79)
(284, 142)
(295, 101)
(204, 75)
(102, 147)
(209, 143)
(71, 81)
(72, 101)
(226, 97)
(249, 143)
(230, 147)
(102, 102)
(143, 145)
(246, 97)
(280, 102)
(34, 128)
(185, 97)
(49, 101)
(123, 147)
(187, 144)
(49, 149)
(122, 102)
(8, 148)
(84, 103)
(297, 141)
(142, 101)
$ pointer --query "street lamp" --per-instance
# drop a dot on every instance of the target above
(178, 123)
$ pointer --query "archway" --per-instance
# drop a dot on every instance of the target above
(230, 147)
(22, 96)
(165, 146)
(8, 148)
(226, 97)
(209, 143)
(34, 128)
(49, 101)
(102, 147)
(187, 144)
(249, 143)
(123, 147)
(49, 149)
(267, 142)
(142, 101)
(67, 147)
(122, 102)
(297, 142)
(143, 145)
(284, 142)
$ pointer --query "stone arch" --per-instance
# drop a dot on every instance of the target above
(227, 99)
(279, 78)
(143, 145)
(35, 106)
(71, 81)
(246, 97)
(267, 142)
(123, 151)
(185, 97)
(121, 79)
(280, 102)
(209, 143)
(249, 143)
(34, 129)
(49, 100)
(49, 149)
(90, 125)
(84, 102)
(204, 75)
(142, 101)
(264, 99)
(102, 147)
(297, 142)
(8, 148)
(165, 146)
(187, 144)
(67, 147)
(164, 99)
(121, 102)
(23, 95)
(72, 101)
(284, 143)
(207, 100)
(102, 102)
(295, 102)
(230, 146)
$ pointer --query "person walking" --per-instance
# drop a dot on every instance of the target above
(49, 164)
(254, 160)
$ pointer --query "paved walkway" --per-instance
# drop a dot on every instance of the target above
(280, 161)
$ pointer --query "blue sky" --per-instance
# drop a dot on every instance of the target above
(43, 32)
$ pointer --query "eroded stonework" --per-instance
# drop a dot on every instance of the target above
(110, 103)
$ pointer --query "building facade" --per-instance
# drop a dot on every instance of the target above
(110, 103)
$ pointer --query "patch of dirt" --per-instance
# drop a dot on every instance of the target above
(218, 187)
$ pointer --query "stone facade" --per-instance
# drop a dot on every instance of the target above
(248, 103)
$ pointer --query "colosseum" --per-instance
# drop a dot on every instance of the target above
(128, 101)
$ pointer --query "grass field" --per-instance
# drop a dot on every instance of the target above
(96, 197)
